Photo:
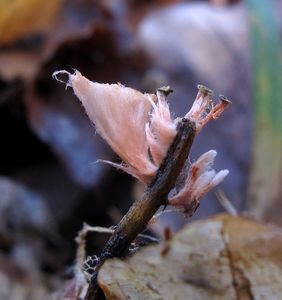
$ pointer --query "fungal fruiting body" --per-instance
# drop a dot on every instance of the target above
(140, 129)
(199, 180)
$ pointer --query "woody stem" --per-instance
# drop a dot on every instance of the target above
(141, 211)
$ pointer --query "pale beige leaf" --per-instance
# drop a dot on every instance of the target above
(221, 258)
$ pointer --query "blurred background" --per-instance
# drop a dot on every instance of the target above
(50, 182)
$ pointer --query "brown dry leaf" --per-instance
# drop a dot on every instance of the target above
(221, 258)
(67, 23)
(14, 64)
(19, 284)
(11, 289)
(21, 18)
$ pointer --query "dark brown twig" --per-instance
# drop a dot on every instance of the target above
(141, 211)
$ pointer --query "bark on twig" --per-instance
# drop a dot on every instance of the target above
(141, 211)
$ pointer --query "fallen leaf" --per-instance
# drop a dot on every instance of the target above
(21, 18)
(75, 20)
(224, 257)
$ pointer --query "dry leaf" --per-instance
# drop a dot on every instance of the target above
(19, 284)
(21, 18)
(221, 258)
(71, 24)
(164, 36)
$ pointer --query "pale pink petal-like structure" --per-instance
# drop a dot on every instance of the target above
(137, 126)
(200, 179)
(161, 129)
(140, 129)
(203, 109)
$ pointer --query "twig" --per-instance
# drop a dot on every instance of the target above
(107, 230)
(141, 211)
